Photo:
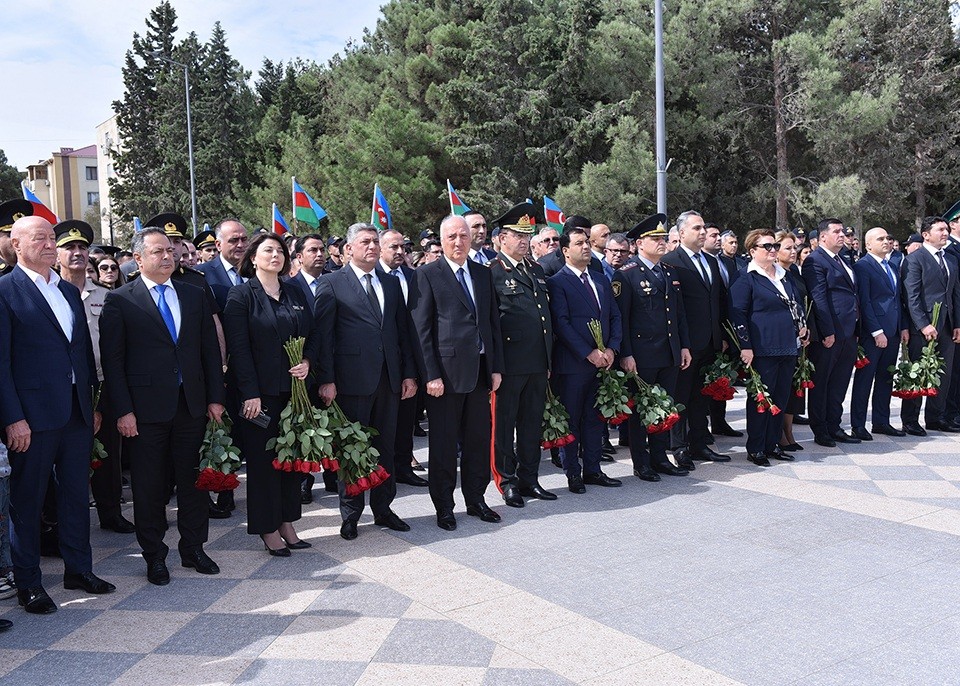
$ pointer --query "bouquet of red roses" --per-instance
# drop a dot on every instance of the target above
(555, 427)
(614, 403)
(921, 377)
(862, 359)
(358, 464)
(755, 386)
(219, 458)
(719, 376)
(803, 376)
(654, 406)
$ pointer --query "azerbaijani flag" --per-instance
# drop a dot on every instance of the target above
(457, 206)
(553, 215)
(137, 225)
(39, 209)
(279, 225)
(380, 215)
(305, 208)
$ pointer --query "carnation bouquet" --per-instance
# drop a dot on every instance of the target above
(219, 457)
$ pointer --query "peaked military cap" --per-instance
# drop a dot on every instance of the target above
(649, 227)
(173, 224)
(73, 230)
(520, 218)
(12, 210)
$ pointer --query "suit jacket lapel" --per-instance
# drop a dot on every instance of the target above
(30, 289)
(264, 301)
(452, 283)
(141, 296)
(582, 289)
(879, 268)
(837, 265)
(688, 261)
(358, 290)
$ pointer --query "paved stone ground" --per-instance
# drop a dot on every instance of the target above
(840, 568)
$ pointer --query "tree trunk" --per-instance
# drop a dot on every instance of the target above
(783, 170)
(919, 187)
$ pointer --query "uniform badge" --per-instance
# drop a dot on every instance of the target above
(510, 283)
(644, 284)
(616, 289)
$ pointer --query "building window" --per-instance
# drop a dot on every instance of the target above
(91, 173)
(93, 198)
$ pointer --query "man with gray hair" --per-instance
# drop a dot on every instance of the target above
(673, 239)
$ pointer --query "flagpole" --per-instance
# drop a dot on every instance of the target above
(450, 197)
(273, 223)
(293, 200)
(373, 206)
(661, 135)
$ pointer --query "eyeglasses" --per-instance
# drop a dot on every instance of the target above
(769, 247)
(107, 267)
(550, 240)
(618, 251)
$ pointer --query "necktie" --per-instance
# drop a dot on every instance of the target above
(704, 272)
(372, 296)
(586, 282)
(234, 276)
(943, 265)
(165, 313)
(395, 272)
(893, 280)
(479, 257)
(723, 273)
(466, 291)
(313, 287)
(658, 272)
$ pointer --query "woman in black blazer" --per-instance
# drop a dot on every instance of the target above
(767, 317)
(259, 317)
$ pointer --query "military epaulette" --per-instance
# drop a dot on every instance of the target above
(135, 274)
(503, 263)
(184, 269)
(628, 265)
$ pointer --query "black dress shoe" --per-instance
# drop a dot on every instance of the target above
(5, 624)
(36, 601)
(727, 430)
(446, 520)
(608, 448)
(411, 479)
(843, 437)
(670, 470)
(481, 510)
(390, 520)
(225, 501)
(706, 454)
(575, 484)
(555, 458)
(778, 454)
(943, 426)
(199, 560)
(511, 497)
(606, 458)
(157, 573)
(118, 524)
(601, 479)
(416, 466)
(348, 531)
(684, 461)
(914, 430)
(758, 459)
(887, 430)
(791, 447)
(801, 420)
(536, 491)
(825, 441)
(89, 582)
(862, 434)
(646, 474)
(216, 513)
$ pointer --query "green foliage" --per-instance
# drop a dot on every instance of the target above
(9, 179)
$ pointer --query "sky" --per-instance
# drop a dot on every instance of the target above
(60, 60)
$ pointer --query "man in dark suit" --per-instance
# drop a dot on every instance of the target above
(831, 285)
(366, 361)
(478, 252)
(554, 261)
(48, 376)
(705, 304)
(162, 368)
(527, 335)
(458, 328)
(655, 339)
(221, 271)
(884, 327)
(392, 261)
(577, 297)
(952, 411)
(931, 275)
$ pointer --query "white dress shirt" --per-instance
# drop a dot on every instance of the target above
(232, 272)
(578, 273)
(398, 272)
(50, 290)
(377, 286)
(170, 295)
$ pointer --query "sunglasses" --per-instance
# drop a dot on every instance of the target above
(550, 240)
(107, 267)
(769, 247)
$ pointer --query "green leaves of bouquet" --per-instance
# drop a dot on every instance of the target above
(555, 428)
(614, 403)
(219, 457)
(359, 462)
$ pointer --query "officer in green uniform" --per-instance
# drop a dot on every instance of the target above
(10, 211)
(655, 341)
(527, 334)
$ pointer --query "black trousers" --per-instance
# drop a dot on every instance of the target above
(107, 481)
(158, 451)
(833, 369)
(764, 429)
(463, 418)
(937, 404)
(520, 402)
(380, 412)
(273, 497)
(691, 430)
(407, 412)
(646, 449)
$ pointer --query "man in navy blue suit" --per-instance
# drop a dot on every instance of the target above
(48, 375)
(221, 271)
(577, 296)
(831, 284)
(884, 326)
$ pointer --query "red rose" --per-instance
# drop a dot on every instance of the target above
(334, 465)
(931, 391)
(288, 466)
(761, 409)
(774, 410)
(277, 465)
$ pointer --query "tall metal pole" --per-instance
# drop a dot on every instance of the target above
(661, 134)
(193, 185)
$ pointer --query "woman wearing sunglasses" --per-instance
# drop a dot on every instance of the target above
(766, 311)
(107, 272)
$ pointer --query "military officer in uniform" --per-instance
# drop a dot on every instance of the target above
(655, 341)
(10, 211)
(527, 334)
(206, 244)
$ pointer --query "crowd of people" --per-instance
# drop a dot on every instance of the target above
(141, 348)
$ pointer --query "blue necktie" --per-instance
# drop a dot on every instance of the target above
(893, 280)
(463, 282)
(165, 312)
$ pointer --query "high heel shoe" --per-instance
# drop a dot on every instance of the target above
(280, 552)
(298, 545)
